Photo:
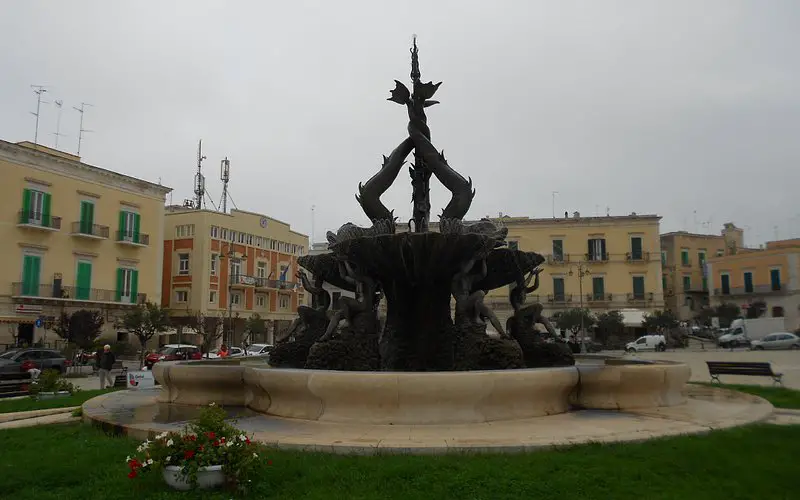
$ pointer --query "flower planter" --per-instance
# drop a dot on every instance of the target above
(207, 478)
(54, 395)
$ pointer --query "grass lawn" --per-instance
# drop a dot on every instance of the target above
(78, 461)
(780, 397)
(27, 404)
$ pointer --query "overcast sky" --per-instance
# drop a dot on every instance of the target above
(687, 109)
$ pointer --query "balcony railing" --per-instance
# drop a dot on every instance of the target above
(558, 260)
(128, 238)
(560, 298)
(81, 228)
(637, 256)
(755, 290)
(275, 284)
(32, 218)
(599, 297)
(597, 258)
(243, 280)
(52, 292)
(641, 297)
(687, 263)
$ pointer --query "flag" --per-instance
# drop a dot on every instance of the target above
(283, 273)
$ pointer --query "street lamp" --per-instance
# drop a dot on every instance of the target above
(230, 254)
(582, 271)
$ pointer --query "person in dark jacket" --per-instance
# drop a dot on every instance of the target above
(106, 362)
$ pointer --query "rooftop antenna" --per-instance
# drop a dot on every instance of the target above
(58, 133)
(38, 90)
(554, 193)
(313, 210)
(224, 176)
(199, 178)
(608, 211)
(81, 130)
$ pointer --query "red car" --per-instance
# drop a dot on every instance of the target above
(173, 352)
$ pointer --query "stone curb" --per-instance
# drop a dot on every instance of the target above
(23, 415)
(58, 418)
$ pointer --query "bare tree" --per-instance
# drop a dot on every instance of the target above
(146, 321)
(209, 327)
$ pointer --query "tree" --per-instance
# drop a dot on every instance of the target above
(571, 319)
(704, 316)
(145, 321)
(209, 327)
(756, 309)
(727, 312)
(660, 321)
(608, 324)
(254, 327)
(80, 328)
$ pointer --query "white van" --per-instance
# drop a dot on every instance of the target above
(647, 343)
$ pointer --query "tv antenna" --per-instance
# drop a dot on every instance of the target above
(199, 178)
(81, 130)
(38, 90)
(313, 210)
(224, 176)
(554, 193)
(58, 133)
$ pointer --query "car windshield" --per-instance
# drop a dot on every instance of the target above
(168, 350)
(8, 354)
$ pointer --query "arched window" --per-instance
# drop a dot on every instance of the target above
(777, 312)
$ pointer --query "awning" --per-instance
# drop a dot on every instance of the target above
(632, 317)
(18, 319)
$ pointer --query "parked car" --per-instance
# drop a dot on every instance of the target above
(22, 360)
(259, 349)
(233, 352)
(173, 352)
(780, 340)
(647, 343)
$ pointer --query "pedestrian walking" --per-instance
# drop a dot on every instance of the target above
(105, 363)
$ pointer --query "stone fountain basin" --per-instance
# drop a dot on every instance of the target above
(423, 398)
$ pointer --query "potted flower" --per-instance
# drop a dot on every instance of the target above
(51, 385)
(207, 453)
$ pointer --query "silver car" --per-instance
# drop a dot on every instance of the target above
(780, 340)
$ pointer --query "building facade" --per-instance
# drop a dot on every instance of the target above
(771, 275)
(75, 237)
(684, 256)
(231, 265)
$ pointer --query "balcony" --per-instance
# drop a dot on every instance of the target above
(599, 297)
(38, 220)
(243, 281)
(52, 293)
(641, 298)
(597, 259)
(90, 231)
(560, 298)
(264, 283)
(637, 257)
(687, 263)
(755, 290)
(133, 239)
(558, 260)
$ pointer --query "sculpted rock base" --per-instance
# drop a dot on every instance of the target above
(474, 350)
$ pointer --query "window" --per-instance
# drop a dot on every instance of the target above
(775, 279)
(701, 257)
(261, 270)
(242, 237)
(687, 282)
(685, 257)
(597, 249)
(558, 250)
(250, 239)
(663, 282)
(638, 287)
(224, 234)
(261, 300)
(129, 226)
(636, 248)
(35, 208)
(725, 283)
(214, 264)
(87, 217)
(236, 268)
(598, 288)
(127, 285)
(31, 274)
(284, 301)
(236, 299)
(212, 296)
(720, 253)
(748, 282)
(214, 231)
(83, 280)
(232, 236)
(663, 258)
(705, 284)
(284, 272)
(558, 289)
(181, 296)
(183, 263)
(777, 312)
(513, 245)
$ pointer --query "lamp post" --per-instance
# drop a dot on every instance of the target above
(230, 254)
(581, 271)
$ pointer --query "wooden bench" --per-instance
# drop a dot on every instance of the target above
(14, 384)
(745, 368)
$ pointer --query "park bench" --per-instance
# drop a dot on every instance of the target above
(745, 368)
(121, 380)
(14, 384)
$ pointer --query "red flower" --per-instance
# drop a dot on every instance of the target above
(211, 435)
(132, 474)
(201, 448)
(215, 443)
(222, 440)
(134, 464)
(269, 462)
(188, 454)
(247, 440)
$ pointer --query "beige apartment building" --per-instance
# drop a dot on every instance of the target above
(74, 236)
(231, 265)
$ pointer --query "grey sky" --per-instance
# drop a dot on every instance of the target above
(646, 106)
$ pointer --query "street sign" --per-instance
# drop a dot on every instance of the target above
(140, 380)
(39, 322)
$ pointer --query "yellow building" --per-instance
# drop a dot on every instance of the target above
(74, 236)
(771, 275)
(683, 258)
(239, 263)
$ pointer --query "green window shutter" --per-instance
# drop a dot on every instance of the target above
(636, 248)
(775, 279)
(46, 209)
(134, 285)
(85, 227)
(84, 281)
(725, 281)
(120, 283)
(136, 220)
(638, 286)
(122, 221)
(26, 275)
(598, 287)
(26, 206)
(35, 272)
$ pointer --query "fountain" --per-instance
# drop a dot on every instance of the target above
(427, 376)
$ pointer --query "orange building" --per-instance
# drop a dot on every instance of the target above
(771, 275)
(231, 264)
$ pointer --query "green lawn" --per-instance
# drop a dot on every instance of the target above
(780, 397)
(27, 404)
(78, 461)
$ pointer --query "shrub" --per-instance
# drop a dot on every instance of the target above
(51, 381)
